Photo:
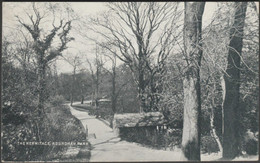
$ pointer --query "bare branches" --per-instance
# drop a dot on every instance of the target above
(41, 45)
(140, 32)
(143, 20)
(33, 31)
(63, 38)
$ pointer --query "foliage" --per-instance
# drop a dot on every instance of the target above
(171, 96)
(128, 96)
(251, 147)
(208, 144)
(57, 100)
(20, 123)
(20, 79)
(166, 139)
(59, 125)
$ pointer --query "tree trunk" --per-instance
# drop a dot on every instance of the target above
(71, 99)
(212, 127)
(41, 88)
(141, 88)
(191, 81)
(213, 131)
(141, 98)
(92, 98)
(82, 94)
(231, 102)
(98, 66)
(73, 86)
(41, 95)
(82, 99)
(96, 96)
(113, 97)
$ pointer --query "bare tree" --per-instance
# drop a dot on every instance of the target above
(75, 62)
(116, 87)
(191, 81)
(96, 69)
(232, 84)
(113, 80)
(43, 47)
(142, 34)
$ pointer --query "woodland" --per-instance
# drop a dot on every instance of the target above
(145, 57)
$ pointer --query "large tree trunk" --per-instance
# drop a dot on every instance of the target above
(191, 82)
(231, 102)
(41, 96)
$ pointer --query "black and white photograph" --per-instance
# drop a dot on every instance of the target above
(130, 81)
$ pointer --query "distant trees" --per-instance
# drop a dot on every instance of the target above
(126, 91)
(75, 62)
(96, 75)
(191, 81)
(113, 75)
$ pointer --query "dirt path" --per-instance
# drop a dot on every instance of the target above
(108, 147)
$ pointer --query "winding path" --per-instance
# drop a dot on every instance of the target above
(108, 147)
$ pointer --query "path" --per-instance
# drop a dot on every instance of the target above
(108, 147)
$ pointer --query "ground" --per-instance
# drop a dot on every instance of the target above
(107, 146)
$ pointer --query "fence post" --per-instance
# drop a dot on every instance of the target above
(87, 130)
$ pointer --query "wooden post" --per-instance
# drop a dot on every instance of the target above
(87, 130)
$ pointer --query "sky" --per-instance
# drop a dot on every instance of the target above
(85, 9)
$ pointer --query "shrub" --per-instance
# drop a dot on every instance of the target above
(58, 125)
(57, 100)
(209, 145)
(173, 138)
(251, 147)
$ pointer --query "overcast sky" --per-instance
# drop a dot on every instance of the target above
(10, 9)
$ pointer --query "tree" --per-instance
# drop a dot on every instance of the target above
(127, 99)
(232, 84)
(96, 70)
(142, 34)
(75, 62)
(43, 47)
(113, 75)
(191, 81)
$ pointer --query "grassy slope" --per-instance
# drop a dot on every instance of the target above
(67, 128)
